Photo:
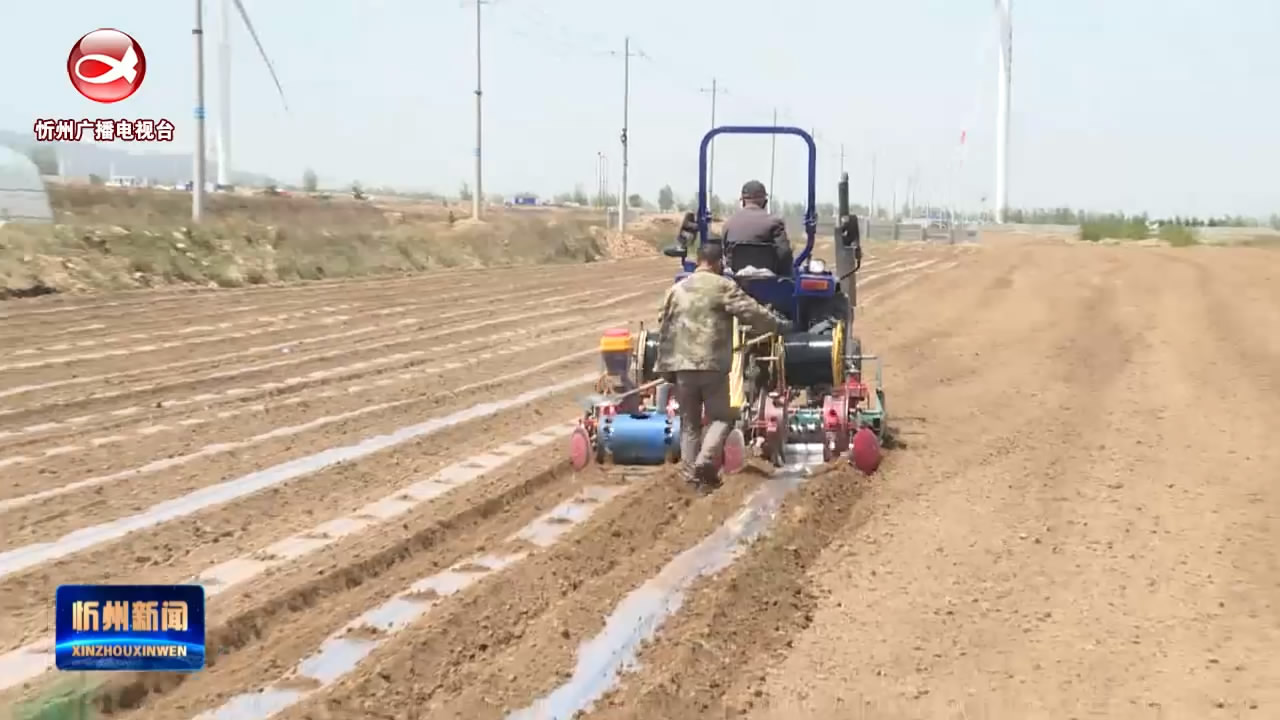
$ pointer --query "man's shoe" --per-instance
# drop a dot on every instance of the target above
(689, 476)
(706, 479)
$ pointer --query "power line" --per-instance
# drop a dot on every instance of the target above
(581, 40)
(562, 42)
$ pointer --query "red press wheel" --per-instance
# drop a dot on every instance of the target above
(865, 454)
(735, 452)
(579, 448)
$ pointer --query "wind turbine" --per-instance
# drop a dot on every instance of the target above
(224, 83)
(1003, 78)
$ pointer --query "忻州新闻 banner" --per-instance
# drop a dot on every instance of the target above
(129, 627)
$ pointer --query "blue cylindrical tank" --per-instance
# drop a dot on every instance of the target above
(641, 439)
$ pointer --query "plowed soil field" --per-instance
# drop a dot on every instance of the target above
(1079, 518)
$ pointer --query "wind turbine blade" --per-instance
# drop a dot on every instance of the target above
(261, 51)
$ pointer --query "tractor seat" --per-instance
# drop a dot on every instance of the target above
(751, 272)
(759, 256)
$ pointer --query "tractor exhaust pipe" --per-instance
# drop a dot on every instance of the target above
(848, 246)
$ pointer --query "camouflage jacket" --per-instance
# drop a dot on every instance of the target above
(697, 322)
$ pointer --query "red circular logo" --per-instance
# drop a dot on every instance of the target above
(106, 65)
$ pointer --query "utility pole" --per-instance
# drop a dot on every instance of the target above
(912, 186)
(602, 185)
(711, 155)
(842, 158)
(626, 100)
(873, 186)
(197, 183)
(477, 196)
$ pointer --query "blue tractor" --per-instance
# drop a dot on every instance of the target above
(800, 395)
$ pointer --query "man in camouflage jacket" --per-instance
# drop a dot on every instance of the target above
(696, 347)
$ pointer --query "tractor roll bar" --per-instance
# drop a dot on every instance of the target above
(811, 208)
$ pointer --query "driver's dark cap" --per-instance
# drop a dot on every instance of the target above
(754, 190)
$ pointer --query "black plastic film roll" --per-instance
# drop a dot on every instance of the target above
(807, 358)
(649, 357)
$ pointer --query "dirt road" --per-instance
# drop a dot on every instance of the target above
(368, 477)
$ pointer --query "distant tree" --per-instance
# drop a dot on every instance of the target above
(579, 195)
(95, 179)
(826, 210)
(717, 206)
(1275, 221)
(666, 199)
(309, 181)
(634, 200)
(465, 192)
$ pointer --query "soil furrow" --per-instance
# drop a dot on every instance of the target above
(35, 372)
(759, 612)
(500, 683)
(191, 306)
(275, 622)
(286, 554)
(293, 615)
(292, 418)
(499, 649)
(53, 513)
(202, 410)
(374, 365)
(159, 324)
(320, 354)
(223, 531)
(283, 413)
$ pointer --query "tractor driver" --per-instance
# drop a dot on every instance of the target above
(753, 236)
(694, 352)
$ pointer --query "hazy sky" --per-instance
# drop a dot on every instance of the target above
(1163, 105)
